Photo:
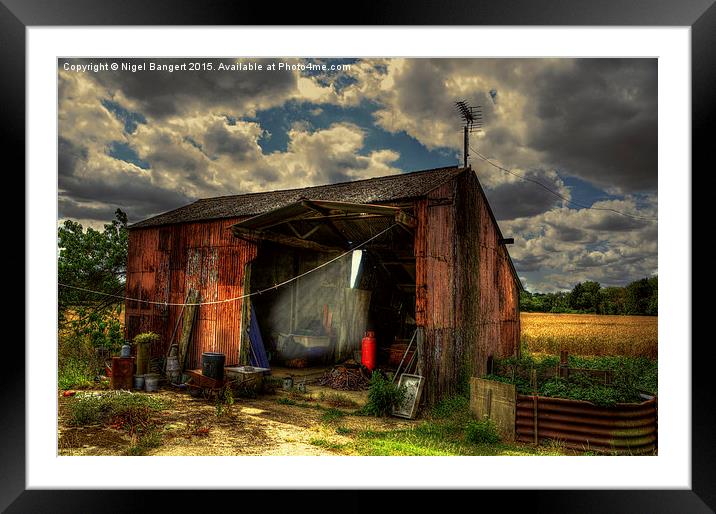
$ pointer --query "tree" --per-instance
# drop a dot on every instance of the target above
(93, 260)
(639, 296)
(612, 300)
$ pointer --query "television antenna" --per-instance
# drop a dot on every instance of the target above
(472, 122)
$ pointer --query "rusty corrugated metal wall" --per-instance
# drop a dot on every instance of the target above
(164, 262)
(625, 428)
(466, 298)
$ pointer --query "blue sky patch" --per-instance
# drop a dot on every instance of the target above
(126, 153)
(413, 155)
(585, 193)
(129, 118)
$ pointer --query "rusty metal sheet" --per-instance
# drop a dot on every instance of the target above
(627, 428)
(164, 262)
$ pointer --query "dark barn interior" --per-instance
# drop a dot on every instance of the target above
(321, 317)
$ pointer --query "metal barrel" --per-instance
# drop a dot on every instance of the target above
(212, 365)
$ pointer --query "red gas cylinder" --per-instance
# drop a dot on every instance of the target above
(368, 350)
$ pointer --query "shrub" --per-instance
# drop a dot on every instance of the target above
(481, 432)
(85, 410)
(383, 396)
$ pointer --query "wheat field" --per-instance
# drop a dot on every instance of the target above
(590, 334)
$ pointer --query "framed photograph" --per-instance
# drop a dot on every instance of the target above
(95, 128)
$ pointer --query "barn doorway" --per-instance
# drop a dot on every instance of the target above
(327, 274)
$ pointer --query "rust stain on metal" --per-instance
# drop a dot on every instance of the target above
(164, 262)
(626, 428)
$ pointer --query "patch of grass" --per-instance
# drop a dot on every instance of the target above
(120, 409)
(286, 401)
(332, 414)
(337, 400)
(451, 407)
(449, 430)
(344, 430)
(297, 394)
(325, 443)
(75, 374)
(482, 432)
(146, 442)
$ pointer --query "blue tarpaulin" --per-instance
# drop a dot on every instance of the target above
(257, 353)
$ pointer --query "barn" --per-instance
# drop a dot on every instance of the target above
(411, 257)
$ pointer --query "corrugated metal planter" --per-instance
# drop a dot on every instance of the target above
(626, 428)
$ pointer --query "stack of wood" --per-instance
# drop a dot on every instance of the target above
(345, 378)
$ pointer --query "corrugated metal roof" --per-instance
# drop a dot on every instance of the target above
(374, 190)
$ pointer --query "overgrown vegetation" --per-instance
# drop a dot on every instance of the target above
(90, 329)
(631, 376)
(383, 396)
(119, 409)
(75, 374)
(482, 431)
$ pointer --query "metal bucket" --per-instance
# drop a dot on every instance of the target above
(126, 351)
(151, 383)
(173, 369)
(139, 381)
(287, 383)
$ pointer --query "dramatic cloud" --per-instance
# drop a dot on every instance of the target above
(591, 118)
(584, 129)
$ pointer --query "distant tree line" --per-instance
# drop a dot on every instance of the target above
(638, 298)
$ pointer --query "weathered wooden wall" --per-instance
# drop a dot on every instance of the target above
(435, 252)
(165, 262)
(466, 296)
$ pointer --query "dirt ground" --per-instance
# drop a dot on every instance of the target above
(191, 426)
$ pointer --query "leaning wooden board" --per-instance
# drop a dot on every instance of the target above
(189, 315)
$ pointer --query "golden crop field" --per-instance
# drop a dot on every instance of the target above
(590, 334)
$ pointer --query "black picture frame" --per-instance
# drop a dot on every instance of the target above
(17, 15)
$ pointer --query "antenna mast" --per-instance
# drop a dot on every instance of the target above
(472, 118)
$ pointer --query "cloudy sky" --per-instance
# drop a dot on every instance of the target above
(150, 141)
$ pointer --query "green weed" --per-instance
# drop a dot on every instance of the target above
(331, 415)
(481, 432)
(383, 396)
